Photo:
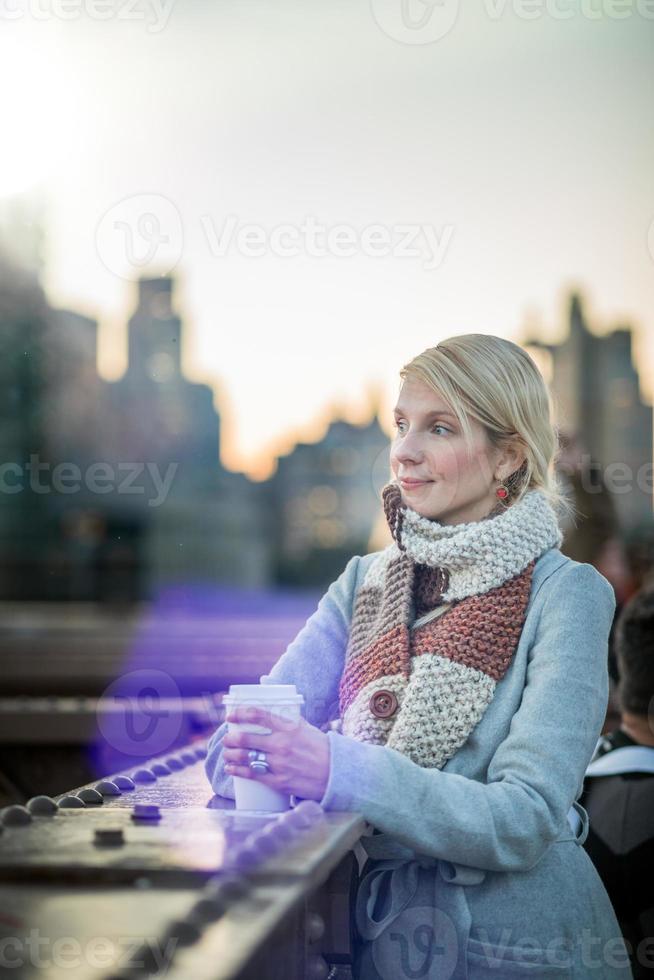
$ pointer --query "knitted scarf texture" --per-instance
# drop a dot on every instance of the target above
(422, 687)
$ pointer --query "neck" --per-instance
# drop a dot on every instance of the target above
(638, 728)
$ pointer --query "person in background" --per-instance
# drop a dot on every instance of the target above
(594, 536)
(596, 520)
(619, 787)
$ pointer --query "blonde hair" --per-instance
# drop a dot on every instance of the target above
(497, 383)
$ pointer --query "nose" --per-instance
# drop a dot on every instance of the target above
(408, 449)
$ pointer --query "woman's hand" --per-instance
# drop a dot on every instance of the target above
(297, 753)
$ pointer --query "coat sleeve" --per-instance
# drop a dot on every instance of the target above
(536, 773)
(313, 662)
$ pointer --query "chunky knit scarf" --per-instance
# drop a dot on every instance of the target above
(436, 622)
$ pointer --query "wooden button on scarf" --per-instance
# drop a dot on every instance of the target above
(383, 704)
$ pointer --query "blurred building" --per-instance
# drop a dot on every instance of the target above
(173, 513)
(129, 493)
(154, 506)
(22, 234)
(598, 403)
(153, 412)
(324, 499)
(74, 411)
(24, 522)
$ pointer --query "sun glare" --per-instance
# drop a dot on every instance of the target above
(33, 134)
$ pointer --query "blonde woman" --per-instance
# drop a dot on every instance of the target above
(466, 667)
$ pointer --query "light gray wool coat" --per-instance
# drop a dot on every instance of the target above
(475, 869)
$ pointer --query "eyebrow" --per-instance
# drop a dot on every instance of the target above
(398, 410)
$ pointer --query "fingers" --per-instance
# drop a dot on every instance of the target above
(252, 714)
(236, 746)
(238, 767)
(267, 778)
(275, 742)
(239, 757)
(241, 768)
(251, 740)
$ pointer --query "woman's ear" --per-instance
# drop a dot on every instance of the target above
(511, 459)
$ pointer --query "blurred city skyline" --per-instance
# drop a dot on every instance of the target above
(517, 194)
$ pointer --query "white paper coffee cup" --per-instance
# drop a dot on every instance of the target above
(281, 700)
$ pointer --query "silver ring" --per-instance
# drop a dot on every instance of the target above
(258, 761)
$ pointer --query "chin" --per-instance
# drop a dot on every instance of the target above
(424, 507)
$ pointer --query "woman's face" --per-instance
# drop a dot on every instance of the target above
(429, 445)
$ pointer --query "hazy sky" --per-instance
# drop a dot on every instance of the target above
(505, 146)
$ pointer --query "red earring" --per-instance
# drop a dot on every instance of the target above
(502, 492)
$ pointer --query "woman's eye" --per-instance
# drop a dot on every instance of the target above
(399, 424)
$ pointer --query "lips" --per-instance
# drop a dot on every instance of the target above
(406, 482)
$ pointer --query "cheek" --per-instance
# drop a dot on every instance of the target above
(450, 460)
(458, 468)
(446, 459)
